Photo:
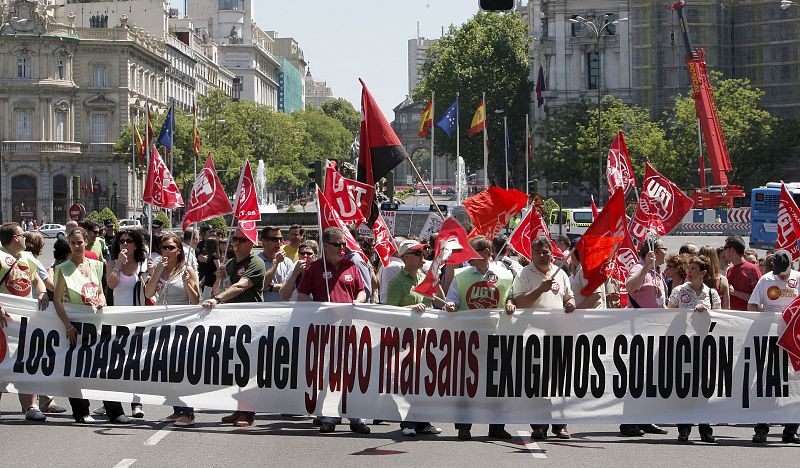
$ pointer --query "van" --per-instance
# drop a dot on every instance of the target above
(574, 221)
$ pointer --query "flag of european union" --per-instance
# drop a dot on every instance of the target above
(449, 119)
(165, 136)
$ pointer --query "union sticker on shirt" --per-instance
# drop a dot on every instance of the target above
(555, 287)
(792, 283)
(482, 295)
(89, 293)
(348, 278)
(686, 298)
(240, 272)
(492, 278)
(18, 282)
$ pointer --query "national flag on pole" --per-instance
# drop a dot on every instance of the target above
(97, 185)
(531, 227)
(150, 133)
(788, 224)
(619, 170)
(790, 338)
(91, 184)
(195, 132)
(165, 136)
(84, 186)
(159, 188)
(601, 241)
(351, 199)
(329, 218)
(449, 119)
(529, 141)
(662, 205)
(207, 199)
(246, 202)
(491, 209)
(139, 146)
(379, 149)
(426, 122)
(384, 243)
(595, 211)
(478, 123)
(540, 87)
(452, 247)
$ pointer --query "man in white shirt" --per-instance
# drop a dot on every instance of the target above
(387, 273)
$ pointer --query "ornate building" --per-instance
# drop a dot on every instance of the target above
(67, 92)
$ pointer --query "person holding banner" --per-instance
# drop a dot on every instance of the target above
(401, 294)
(278, 265)
(334, 279)
(245, 272)
(543, 285)
(481, 285)
(772, 294)
(742, 275)
(696, 295)
(78, 281)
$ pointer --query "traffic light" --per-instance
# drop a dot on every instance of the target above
(316, 174)
(496, 5)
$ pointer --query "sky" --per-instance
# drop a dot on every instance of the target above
(368, 39)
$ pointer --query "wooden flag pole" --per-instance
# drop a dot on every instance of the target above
(419, 177)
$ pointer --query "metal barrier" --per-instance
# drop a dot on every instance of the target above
(711, 229)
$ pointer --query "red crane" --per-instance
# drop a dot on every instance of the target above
(721, 193)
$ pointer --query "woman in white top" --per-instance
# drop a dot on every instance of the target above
(128, 261)
(695, 294)
(176, 284)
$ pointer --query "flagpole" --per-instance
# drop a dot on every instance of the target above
(485, 146)
(528, 137)
(322, 246)
(235, 205)
(458, 151)
(172, 152)
(433, 133)
(505, 145)
(419, 177)
(134, 150)
(149, 206)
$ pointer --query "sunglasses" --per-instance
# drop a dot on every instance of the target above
(305, 254)
(273, 239)
(169, 247)
(126, 241)
(416, 253)
(338, 245)
(239, 239)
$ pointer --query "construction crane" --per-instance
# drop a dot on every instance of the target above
(721, 193)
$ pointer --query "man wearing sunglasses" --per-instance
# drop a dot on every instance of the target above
(246, 272)
(336, 280)
(278, 266)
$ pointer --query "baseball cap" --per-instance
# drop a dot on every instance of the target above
(409, 245)
(109, 223)
(781, 262)
(157, 224)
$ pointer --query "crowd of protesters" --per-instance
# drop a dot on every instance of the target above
(131, 268)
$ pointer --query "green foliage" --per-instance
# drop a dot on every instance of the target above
(550, 205)
(405, 193)
(217, 223)
(488, 53)
(341, 110)
(108, 214)
(291, 209)
(162, 216)
(95, 216)
(752, 134)
(324, 137)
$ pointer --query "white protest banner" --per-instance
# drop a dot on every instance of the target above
(432, 224)
(389, 217)
(372, 361)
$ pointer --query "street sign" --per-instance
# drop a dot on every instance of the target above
(303, 202)
(76, 212)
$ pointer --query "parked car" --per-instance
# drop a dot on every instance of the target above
(126, 224)
(437, 190)
(53, 230)
(450, 191)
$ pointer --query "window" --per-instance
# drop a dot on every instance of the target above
(23, 67)
(231, 4)
(25, 125)
(575, 27)
(593, 69)
(61, 125)
(99, 76)
(61, 69)
(99, 128)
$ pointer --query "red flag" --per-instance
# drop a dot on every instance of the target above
(788, 224)
(384, 244)
(619, 170)
(790, 338)
(248, 228)
(452, 247)
(491, 209)
(207, 199)
(351, 199)
(379, 149)
(623, 260)
(600, 242)
(330, 218)
(84, 186)
(595, 211)
(159, 187)
(662, 205)
(531, 227)
(246, 202)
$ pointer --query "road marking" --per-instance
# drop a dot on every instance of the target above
(531, 445)
(125, 463)
(156, 438)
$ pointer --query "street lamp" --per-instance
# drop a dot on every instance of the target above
(560, 186)
(787, 3)
(595, 28)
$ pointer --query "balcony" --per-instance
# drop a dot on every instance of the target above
(41, 147)
(97, 148)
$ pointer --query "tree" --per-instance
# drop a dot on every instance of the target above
(341, 110)
(488, 53)
(751, 133)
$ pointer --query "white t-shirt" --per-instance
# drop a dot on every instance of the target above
(578, 281)
(386, 275)
(530, 278)
(775, 295)
(685, 297)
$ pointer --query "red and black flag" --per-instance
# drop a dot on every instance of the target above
(379, 148)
